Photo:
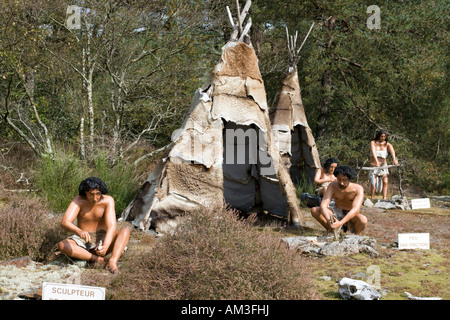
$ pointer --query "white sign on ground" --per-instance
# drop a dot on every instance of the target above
(62, 291)
(413, 241)
(423, 203)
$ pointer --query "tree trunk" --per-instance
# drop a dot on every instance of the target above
(256, 34)
(322, 120)
(82, 145)
(90, 110)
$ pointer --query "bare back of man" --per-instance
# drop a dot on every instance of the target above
(95, 214)
(348, 198)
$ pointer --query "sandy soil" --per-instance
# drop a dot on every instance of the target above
(15, 281)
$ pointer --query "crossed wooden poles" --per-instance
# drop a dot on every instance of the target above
(237, 27)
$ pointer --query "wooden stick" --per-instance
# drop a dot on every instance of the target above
(375, 168)
(245, 10)
(335, 231)
(295, 39)
(239, 16)
(304, 40)
(287, 36)
(246, 29)
(235, 33)
(230, 16)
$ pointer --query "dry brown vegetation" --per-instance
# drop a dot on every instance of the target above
(213, 255)
(27, 228)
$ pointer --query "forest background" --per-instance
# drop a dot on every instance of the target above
(101, 94)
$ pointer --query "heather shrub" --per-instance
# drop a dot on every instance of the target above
(27, 228)
(214, 255)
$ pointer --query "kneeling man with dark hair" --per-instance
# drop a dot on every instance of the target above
(348, 198)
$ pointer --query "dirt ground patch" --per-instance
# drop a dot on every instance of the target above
(423, 273)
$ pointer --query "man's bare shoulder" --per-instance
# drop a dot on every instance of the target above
(357, 187)
(353, 187)
(107, 199)
(79, 200)
(334, 185)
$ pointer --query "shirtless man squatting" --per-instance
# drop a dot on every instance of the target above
(96, 221)
(348, 198)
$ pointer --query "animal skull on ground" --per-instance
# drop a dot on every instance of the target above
(357, 289)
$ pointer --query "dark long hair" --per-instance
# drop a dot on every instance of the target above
(379, 133)
(90, 184)
(328, 163)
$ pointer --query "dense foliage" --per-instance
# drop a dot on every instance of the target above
(127, 72)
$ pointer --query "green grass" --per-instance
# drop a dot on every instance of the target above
(58, 179)
(420, 273)
(423, 273)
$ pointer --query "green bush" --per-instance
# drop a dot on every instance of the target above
(430, 176)
(119, 178)
(58, 179)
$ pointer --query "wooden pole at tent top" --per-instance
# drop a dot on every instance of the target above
(292, 44)
(237, 27)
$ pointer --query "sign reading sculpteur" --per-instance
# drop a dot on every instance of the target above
(61, 291)
(413, 241)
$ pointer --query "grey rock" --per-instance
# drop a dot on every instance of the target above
(368, 250)
(327, 246)
(401, 202)
(339, 249)
(307, 245)
(368, 203)
(385, 204)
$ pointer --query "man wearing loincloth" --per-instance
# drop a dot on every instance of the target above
(95, 235)
(348, 198)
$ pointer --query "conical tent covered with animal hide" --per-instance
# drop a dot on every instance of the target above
(291, 131)
(222, 153)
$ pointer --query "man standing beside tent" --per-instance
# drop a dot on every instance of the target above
(348, 198)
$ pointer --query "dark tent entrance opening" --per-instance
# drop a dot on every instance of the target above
(249, 180)
(302, 163)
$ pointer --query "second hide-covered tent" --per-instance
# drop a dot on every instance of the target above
(291, 131)
(223, 153)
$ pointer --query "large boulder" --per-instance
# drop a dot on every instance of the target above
(328, 246)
